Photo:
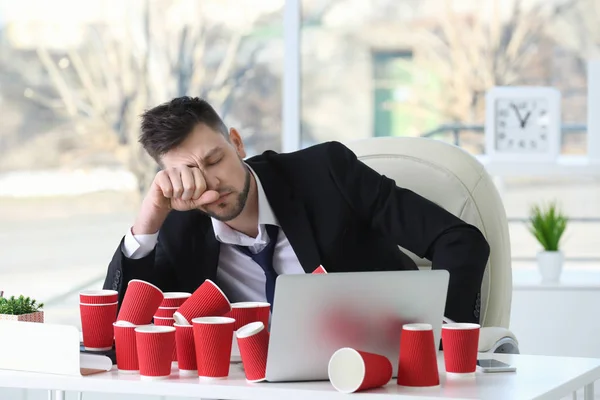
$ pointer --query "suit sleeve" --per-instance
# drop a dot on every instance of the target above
(156, 268)
(418, 225)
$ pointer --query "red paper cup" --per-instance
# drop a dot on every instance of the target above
(253, 342)
(249, 311)
(164, 321)
(353, 370)
(186, 350)
(174, 299)
(319, 270)
(140, 302)
(126, 349)
(207, 300)
(461, 343)
(167, 322)
(417, 365)
(97, 325)
(212, 338)
(98, 296)
(155, 346)
(165, 312)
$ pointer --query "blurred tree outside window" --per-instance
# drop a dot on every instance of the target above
(74, 78)
(94, 89)
(458, 50)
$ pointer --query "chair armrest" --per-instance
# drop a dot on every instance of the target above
(497, 340)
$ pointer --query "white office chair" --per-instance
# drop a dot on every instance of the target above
(456, 181)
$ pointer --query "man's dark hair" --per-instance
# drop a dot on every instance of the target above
(164, 127)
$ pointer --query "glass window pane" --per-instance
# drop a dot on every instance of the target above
(75, 77)
(415, 68)
(422, 68)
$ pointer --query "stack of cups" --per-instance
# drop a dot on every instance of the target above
(164, 315)
(253, 343)
(98, 310)
(352, 370)
(171, 302)
(195, 349)
(207, 300)
(461, 342)
(245, 313)
(140, 303)
(417, 364)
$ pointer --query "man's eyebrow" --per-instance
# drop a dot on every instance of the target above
(211, 153)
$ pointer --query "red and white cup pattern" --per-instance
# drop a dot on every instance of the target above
(186, 350)
(213, 337)
(165, 312)
(155, 346)
(417, 364)
(167, 322)
(140, 302)
(461, 343)
(249, 311)
(97, 325)
(174, 299)
(353, 370)
(207, 300)
(126, 349)
(98, 296)
(253, 342)
(164, 321)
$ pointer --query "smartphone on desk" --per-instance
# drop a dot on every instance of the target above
(492, 365)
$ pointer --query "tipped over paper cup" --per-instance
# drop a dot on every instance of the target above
(207, 300)
(353, 370)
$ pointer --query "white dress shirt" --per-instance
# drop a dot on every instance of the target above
(237, 274)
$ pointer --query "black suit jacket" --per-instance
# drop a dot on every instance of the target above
(336, 212)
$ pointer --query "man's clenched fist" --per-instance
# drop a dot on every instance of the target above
(180, 188)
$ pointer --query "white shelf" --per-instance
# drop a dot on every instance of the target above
(571, 279)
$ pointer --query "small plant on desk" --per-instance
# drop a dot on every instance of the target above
(21, 309)
(548, 224)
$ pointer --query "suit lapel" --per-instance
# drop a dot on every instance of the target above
(290, 212)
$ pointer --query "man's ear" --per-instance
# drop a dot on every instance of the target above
(236, 141)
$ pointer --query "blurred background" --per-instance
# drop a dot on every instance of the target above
(75, 76)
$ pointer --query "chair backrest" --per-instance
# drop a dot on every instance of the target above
(458, 182)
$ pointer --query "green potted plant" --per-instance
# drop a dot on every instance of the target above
(548, 224)
(21, 309)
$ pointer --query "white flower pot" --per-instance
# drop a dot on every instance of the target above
(550, 265)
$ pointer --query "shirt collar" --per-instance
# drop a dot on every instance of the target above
(225, 234)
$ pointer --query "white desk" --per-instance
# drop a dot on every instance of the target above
(537, 377)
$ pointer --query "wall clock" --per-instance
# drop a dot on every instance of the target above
(523, 124)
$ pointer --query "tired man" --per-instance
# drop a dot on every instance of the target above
(211, 214)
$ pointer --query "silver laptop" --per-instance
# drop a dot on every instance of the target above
(315, 315)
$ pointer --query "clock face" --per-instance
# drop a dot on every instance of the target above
(522, 125)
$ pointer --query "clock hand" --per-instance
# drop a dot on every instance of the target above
(525, 120)
(518, 113)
